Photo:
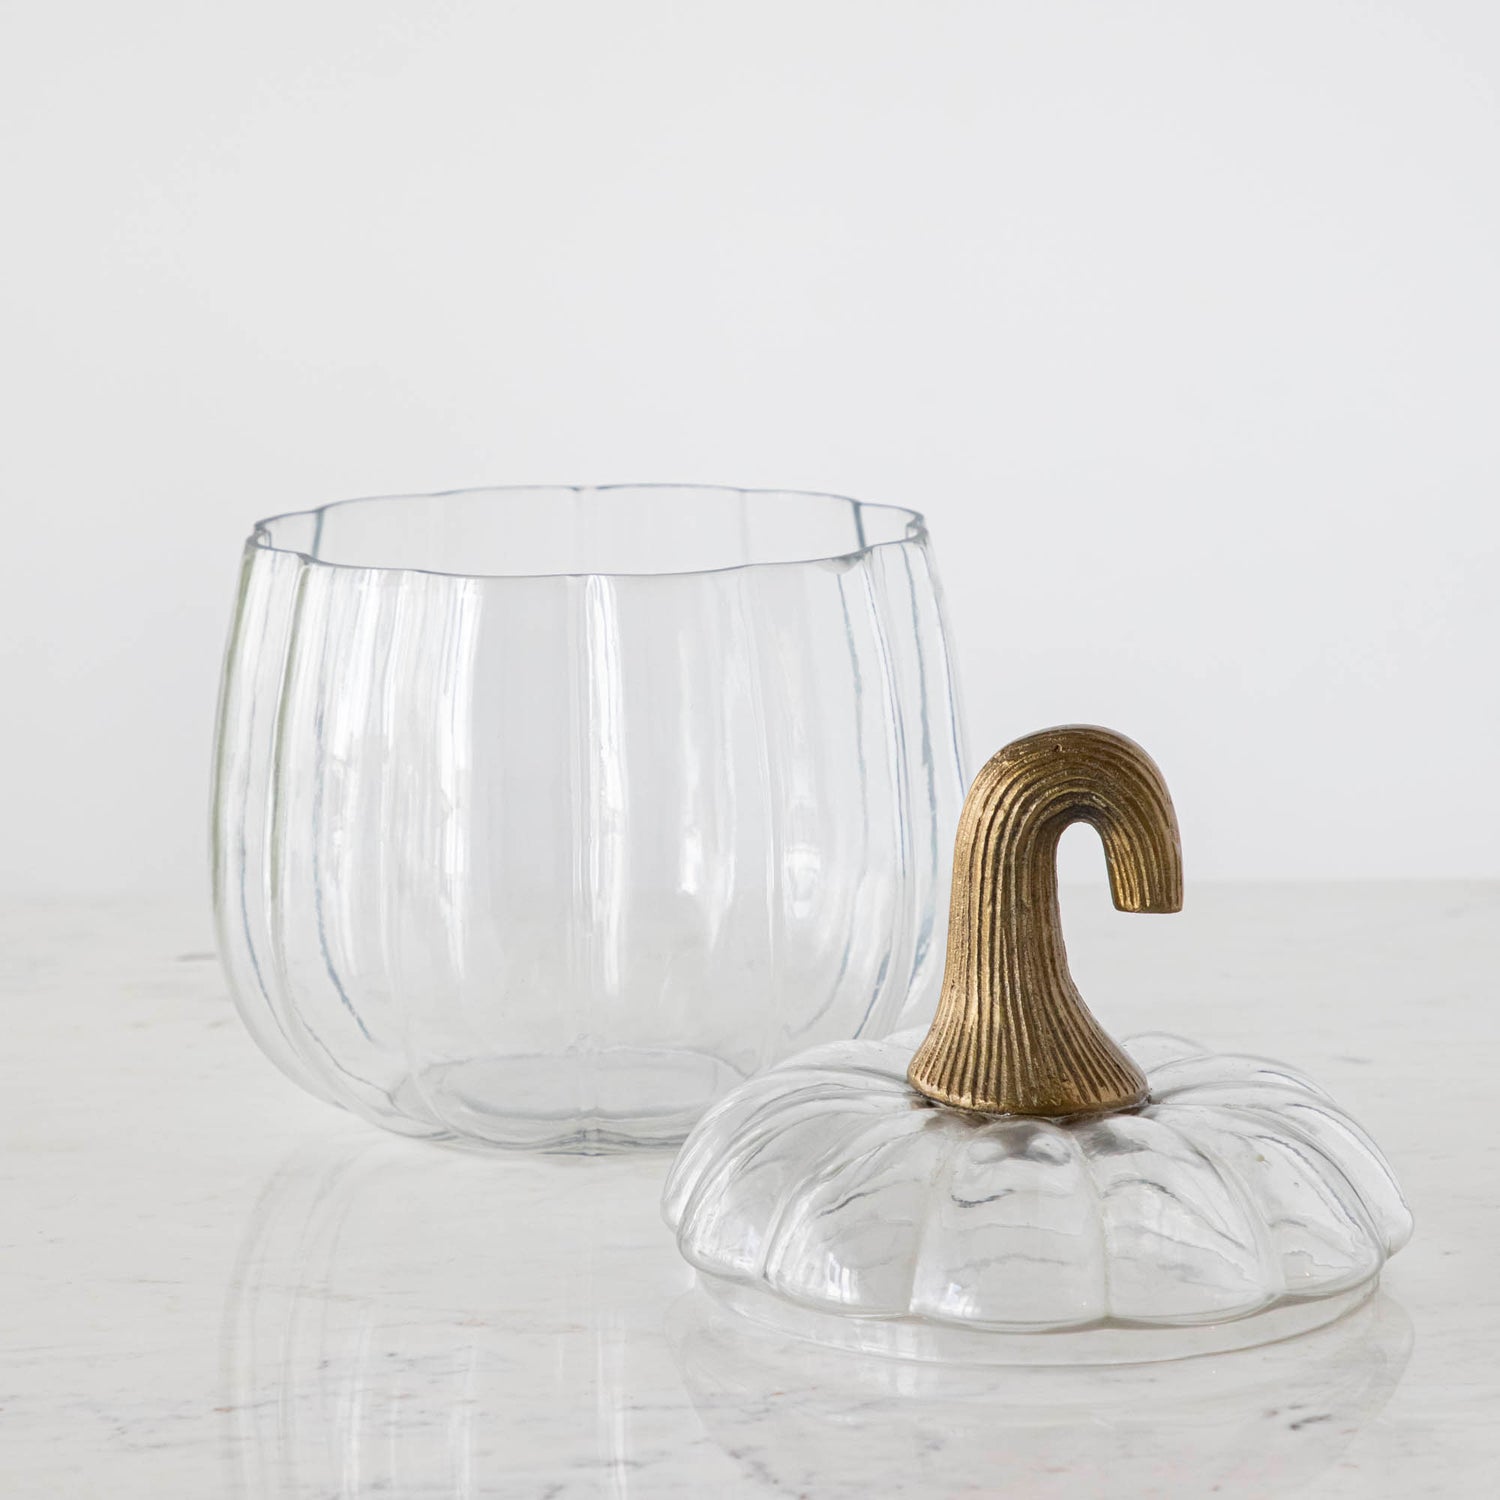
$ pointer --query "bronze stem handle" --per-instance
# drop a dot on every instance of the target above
(1012, 1035)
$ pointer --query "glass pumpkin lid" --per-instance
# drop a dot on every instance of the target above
(1013, 1186)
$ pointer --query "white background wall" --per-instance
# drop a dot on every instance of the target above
(1179, 320)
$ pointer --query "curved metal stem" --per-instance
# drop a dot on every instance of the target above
(1012, 1034)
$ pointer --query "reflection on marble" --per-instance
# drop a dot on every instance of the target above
(411, 1322)
(415, 1322)
(805, 1420)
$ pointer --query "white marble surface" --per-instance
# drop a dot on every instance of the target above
(211, 1285)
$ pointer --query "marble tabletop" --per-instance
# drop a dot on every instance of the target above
(211, 1285)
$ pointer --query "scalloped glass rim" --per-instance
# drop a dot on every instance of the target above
(875, 525)
(1105, 1343)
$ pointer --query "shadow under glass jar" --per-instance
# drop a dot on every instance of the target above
(542, 817)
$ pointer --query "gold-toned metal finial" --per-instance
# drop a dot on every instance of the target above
(1012, 1035)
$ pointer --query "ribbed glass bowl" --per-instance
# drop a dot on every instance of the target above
(543, 817)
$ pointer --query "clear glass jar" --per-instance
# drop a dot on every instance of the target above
(543, 817)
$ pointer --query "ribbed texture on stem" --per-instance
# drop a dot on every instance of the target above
(1012, 1034)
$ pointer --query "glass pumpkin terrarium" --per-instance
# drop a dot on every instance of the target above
(1014, 1186)
(543, 817)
